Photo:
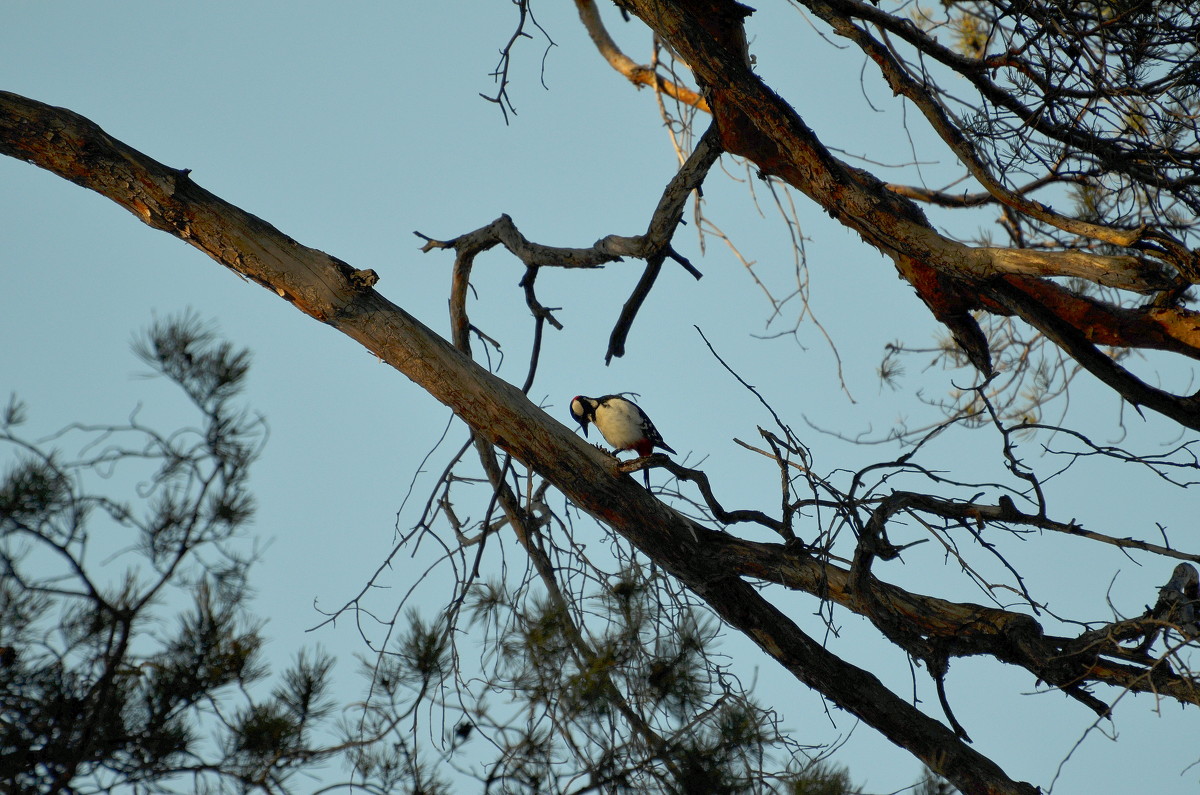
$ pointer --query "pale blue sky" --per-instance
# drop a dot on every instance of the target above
(349, 126)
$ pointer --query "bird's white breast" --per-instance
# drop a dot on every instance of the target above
(621, 423)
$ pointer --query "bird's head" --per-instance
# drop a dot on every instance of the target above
(583, 410)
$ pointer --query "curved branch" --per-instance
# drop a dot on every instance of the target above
(1006, 512)
(654, 246)
(636, 73)
(719, 512)
(656, 239)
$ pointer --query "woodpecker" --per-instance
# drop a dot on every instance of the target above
(1179, 600)
(622, 423)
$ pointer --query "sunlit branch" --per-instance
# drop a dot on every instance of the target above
(636, 73)
(1014, 297)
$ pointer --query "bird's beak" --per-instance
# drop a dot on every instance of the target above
(584, 424)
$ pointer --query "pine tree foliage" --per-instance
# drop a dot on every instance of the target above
(527, 699)
(129, 659)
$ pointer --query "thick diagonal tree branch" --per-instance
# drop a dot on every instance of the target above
(330, 290)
